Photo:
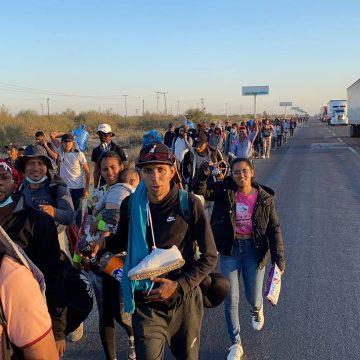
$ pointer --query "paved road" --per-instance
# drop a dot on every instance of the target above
(316, 177)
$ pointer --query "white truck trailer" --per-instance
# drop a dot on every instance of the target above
(353, 95)
(337, 112)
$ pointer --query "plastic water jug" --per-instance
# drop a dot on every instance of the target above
(81, 137)
(190, 124)
(153, 136)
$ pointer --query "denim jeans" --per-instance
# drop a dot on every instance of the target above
(76, 196)
(243, 260)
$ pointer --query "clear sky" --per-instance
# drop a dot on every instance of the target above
(307, 51)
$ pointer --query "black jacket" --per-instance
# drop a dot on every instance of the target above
(170, 228)
(267, 234)
(112, 147)
(35, 232)
(168, 138)
(188, 165)
(97, 151)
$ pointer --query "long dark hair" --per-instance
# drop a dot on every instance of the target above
(109, 155)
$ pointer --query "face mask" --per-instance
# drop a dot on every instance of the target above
(8, 201)
(36, 181)
(232, 131)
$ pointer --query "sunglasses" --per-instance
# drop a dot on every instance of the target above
(160, 156)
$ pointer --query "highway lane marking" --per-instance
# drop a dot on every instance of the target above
(341, 140)
(331, 132)
(326, 146)
(352, 150)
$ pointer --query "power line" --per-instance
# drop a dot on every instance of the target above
(28, 90)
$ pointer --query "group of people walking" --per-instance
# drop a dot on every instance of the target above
(152, 214)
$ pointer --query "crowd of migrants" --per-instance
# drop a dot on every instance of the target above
(148, 239)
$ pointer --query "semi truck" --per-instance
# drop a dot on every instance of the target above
(337, 112)
(353, 95)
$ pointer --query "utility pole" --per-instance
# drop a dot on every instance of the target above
(126, 114)
(157, 101)
(202, 104)
(164, 93)
(42, 109)
(177, 109)
(226, 110)
(203, 107)
(143, 107)
(48, 107)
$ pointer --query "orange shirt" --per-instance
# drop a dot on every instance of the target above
(25, 310)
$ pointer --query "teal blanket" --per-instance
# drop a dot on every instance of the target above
(137, 246)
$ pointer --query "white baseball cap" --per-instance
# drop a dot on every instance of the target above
(105, 128)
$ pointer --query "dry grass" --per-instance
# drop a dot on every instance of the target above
(129, 132)
(20, 129)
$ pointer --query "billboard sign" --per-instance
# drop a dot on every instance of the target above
(285, 103)
(255, 90)
(295, 108)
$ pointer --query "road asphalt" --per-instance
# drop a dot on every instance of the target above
(316, 179)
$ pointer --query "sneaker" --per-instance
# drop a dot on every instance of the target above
(236, 351)
(263, 156)
(258, 318)
(158, 262)
(131, 352)
(77, 334)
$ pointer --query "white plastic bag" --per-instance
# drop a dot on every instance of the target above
(273, 285)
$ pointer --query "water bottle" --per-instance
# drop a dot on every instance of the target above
(81, 137)
(85, 249)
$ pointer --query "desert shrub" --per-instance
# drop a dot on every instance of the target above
(12, 134)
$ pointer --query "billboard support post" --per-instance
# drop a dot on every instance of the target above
(254, 107)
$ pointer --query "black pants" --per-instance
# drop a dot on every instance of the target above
(76, 197)
(79, 297)
(178, 323)
(112, 310)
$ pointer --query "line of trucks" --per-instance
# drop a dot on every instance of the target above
(344, 112)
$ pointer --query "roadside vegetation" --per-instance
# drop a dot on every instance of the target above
(20, 128)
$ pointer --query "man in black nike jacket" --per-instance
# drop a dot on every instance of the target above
(172, 311)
